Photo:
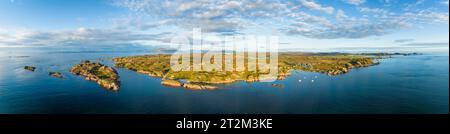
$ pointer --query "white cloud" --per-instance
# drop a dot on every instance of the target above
(413, 5)
(444, 2)
(315, 6)
(295, 18)
(373, 10)
(224, 16)
(381, 23)
(347, 27)
(355, 2)
(340, 15)
(234, 16)
(426, 17)
(79, 36)
(428, 44)
(403, 40)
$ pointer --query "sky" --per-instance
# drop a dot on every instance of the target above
(300, 24)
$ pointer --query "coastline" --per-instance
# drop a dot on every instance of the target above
(210, 80)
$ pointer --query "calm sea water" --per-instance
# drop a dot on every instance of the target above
(404, 84)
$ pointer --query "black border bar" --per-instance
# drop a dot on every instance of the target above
(168, 123)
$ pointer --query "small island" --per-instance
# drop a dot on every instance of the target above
(105, 76)
(159, 66)
(29, 68)
(55, 74)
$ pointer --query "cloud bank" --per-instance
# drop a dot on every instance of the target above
(294, 18)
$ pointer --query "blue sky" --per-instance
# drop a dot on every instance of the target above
(54, 14)
(301, 24)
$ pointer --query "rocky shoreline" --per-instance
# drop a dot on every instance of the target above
(105, 76)
(353, 64)
(192, 86)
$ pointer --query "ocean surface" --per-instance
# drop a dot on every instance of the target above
(417, 84)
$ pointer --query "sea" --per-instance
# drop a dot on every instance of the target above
(415, 84)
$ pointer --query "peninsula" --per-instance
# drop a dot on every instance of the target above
(159, 66)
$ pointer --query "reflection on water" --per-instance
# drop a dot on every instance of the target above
(412, 84)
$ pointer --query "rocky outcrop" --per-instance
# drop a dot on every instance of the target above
(283, 75)
(29, 68)
(198, 86)
(251, 79)
(192, 86)
(55, 74)
(172, 83)
(356, 63)
(105, 76)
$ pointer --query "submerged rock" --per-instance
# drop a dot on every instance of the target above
(55, 74)
(30, 68)
(105, 76)
(278, 85)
